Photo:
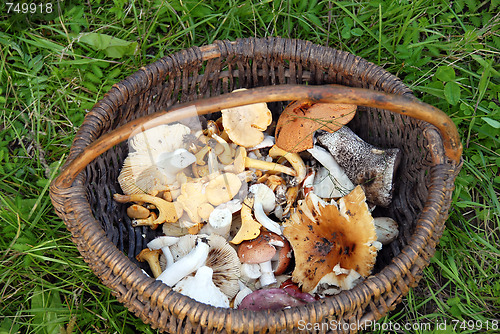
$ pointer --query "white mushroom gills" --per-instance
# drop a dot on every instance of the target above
(186, 265)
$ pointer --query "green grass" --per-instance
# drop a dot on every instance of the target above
(52, 72)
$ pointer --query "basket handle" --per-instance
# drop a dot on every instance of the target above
(329, 93)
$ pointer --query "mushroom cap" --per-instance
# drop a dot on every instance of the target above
(259, 250)
(264, 195)
(300, 119)
(201, 288)
(244, 124)
(162, 241)
(326, 236)
(161, 138)
(222, 188)
(222, 258)
(141, 172)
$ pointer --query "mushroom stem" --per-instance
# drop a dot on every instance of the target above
(271, 166)
(293, 158)
(164, 243)
(225, 157)
(364, 164)
(152, 258)
(336, 183)
(186, 265)
(219, 222)
(244, 291)
(262, 218)
(168, 211)
(267, 277)
(200, 155)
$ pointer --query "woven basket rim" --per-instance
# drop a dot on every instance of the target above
(382, 281)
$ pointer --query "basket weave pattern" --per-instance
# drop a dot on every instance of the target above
(103, 233)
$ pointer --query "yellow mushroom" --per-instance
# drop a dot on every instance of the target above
(222, 188)
(225, 157)
(191, 198)
(200, 155)
(168, 212)
(137, 211)
(250, 228)
(291, 196)
(153, 258)
(293, 158)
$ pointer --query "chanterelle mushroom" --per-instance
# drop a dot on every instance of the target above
(298, 122)
(245, 124)
(324, 236)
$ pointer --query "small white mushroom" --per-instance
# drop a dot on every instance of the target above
(250, 271)
(219, 222)
(386, 229)
(244, 291)
(187, 264)
(331, 181)
(164, 243)
(202, 289)
(264, 202)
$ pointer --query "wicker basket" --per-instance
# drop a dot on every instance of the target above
(201, 77)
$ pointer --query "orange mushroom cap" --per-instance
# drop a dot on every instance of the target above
(300, 119)
(323, 236)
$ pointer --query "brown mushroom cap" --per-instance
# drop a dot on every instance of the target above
(324, 236)
(300, 119)
(260, 249)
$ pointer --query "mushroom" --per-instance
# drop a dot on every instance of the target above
(222, 258)
(250, 228)
(331, 180)
(164, 243)
(222, 188)
(244, 291)
(268, 141)
(192, 197)
(264, 202)
(293, 158)
(142, 170)
(169, 212)
(270, 299)
(187, 264)
(300, 119)
(219, 222)
(245, 124)
(259, 251)
(386, 229)
(152, 258)
(137, 211)
(364, 164)
(202, 289)
(324, 236)
(225, 157)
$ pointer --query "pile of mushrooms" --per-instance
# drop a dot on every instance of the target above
(255, 219)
